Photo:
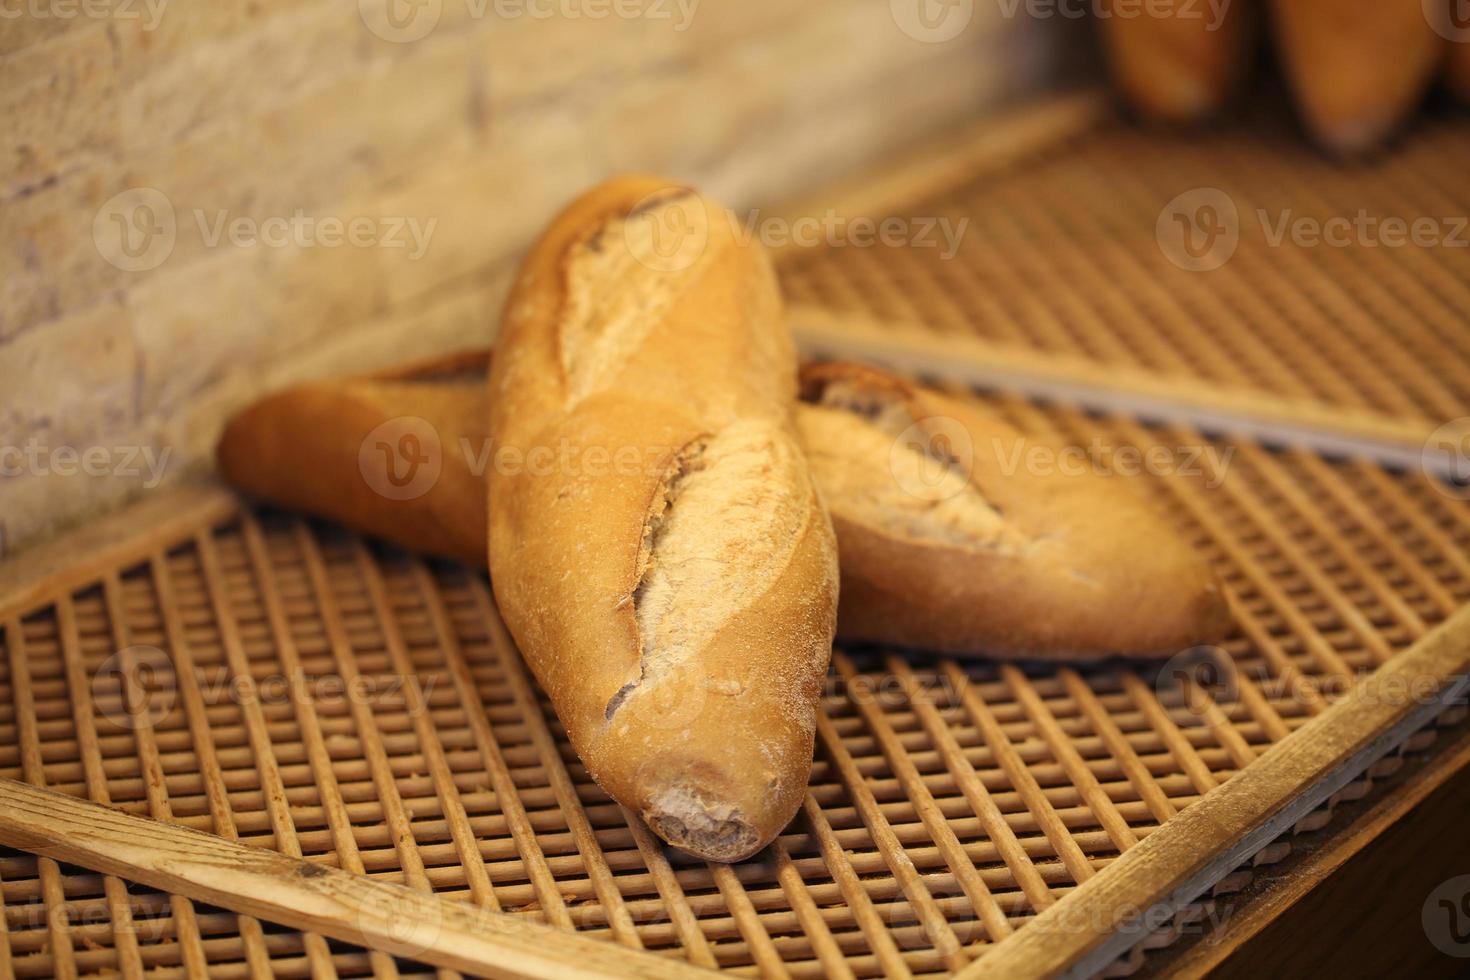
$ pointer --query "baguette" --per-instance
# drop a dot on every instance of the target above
(662, 557)
(947, 541)
(939, 600)
(1358, 68)
(1178, 63)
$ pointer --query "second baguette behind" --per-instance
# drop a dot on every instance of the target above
(398, 455)
(949, 539)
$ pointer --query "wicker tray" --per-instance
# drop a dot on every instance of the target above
(382, 789)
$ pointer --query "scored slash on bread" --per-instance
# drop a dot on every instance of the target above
(938, 568)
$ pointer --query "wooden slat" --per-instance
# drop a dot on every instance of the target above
(297, 893)
(918, 349)
(128, 535)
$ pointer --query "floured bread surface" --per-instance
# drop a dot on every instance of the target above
(857, 444)
(733, 509)
(620, 282)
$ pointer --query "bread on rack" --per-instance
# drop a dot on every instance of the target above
(1358, 68)
(1180, 60)
(958, 533)
(657, 546)
(1104, 574)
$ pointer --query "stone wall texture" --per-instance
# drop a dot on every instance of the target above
(204, 199)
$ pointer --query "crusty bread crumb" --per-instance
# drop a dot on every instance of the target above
(681, 815)
(725, 528)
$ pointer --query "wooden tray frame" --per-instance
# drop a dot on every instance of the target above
(1108, 915)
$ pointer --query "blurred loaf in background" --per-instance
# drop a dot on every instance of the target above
(1357, 70)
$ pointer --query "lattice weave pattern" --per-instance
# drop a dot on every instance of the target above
(302, 691)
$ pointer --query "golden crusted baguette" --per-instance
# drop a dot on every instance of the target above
(1180, 60)
(1358, 68)
(937, 602)
(384, 454)
(659, 551)
(951, 538)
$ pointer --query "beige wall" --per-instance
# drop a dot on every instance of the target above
(260, 109)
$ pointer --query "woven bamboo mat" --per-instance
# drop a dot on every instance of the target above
(309, 692)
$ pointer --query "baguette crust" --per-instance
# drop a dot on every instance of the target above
(1358, 68)
(1178, 65)
(662, 558)
(325, 449)
(979, 558)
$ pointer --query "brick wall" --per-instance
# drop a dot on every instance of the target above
(202, 199)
